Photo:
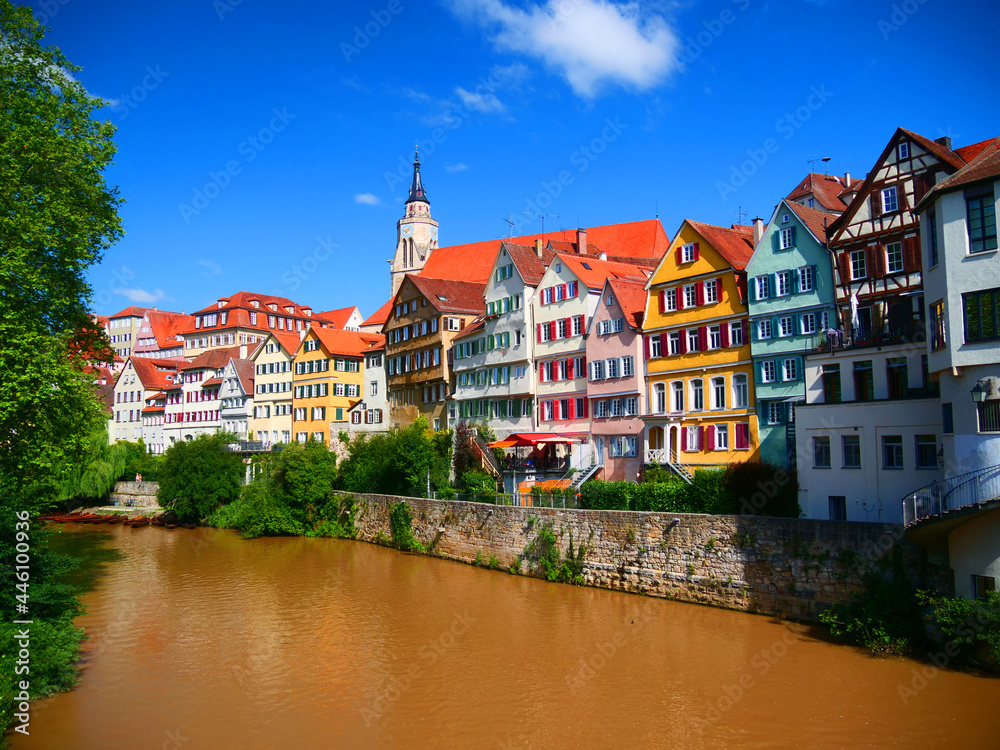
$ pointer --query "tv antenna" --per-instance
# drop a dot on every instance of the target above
(510, 221)
(740, 213)
(825, 160)
(542, 216)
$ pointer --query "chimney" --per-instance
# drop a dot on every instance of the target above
(847, 179)
(603, 255)
(243, 351)
(581, 240)
(758, 230)
(944, 141)
(538, 248)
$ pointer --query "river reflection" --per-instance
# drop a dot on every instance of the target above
(199, 639)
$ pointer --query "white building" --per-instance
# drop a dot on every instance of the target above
(193, 400)
(236, 396)
(271, 418)
(139, 380)
(370, 413)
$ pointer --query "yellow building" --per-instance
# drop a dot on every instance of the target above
(328, 378)
(699, 371)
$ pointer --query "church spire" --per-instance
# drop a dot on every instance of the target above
(417, 192)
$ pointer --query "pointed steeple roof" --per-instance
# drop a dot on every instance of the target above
(417, 192)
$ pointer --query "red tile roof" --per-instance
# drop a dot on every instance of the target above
(941, 152)
(244, 373)
(152, 373)
(213, 359)
(211, 381)
(817, 221)
(593, 272)
(985, 165)
(338, 318)
(477, 324)
(347, 343)
(238, 308)
(735, 244)
(473, 261)
(288, 341)
(631, 297)
(828, 190)
(379, 317)
(448, 295)
(970, 152)
(166, 327)
(131, 312)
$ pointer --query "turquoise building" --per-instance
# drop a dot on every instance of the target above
(791, 294)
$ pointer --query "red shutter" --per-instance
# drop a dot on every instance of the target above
(555, 409)
(710, 437)
(569, 368)
(538, 332)
(869, 261)
(565, 291)
(877, 253)
(583, 323)
(679, 256)
(663, 345)
(572, 409)
(552, 330)
(724, 328)
(541, 372)
(684, 438)
(742, 436)
(663, 300)
(844, 262)
(683, 339)
(746, 331)
(701, 437)
(648, 347)
(586, 408)
(876, 203)
(699, 293)
(678, 296)
(911, 254)
(702, 338)
(718, 290)
(697, 250)
(569, 327)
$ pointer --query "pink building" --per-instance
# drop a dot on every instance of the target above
(615, 386)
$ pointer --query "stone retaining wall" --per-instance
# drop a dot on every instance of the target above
(139, 495)
(785, 567)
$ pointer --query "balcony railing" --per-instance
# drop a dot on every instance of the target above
(965, 490)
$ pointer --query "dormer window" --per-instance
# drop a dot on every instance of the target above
(222, 303)
(255, 302)
(273, 307)
(784, 218)
(290, 309)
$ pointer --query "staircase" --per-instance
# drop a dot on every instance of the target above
(582, 476)
(487, 460)
(964, 490)
(667, 457)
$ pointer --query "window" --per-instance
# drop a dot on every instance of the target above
(677, 397)
(831, 384)
(859, 266)
(775, 412)
(613, 368)
(761, 286)
(715, 337)
(697, 395)
(890, 199)
(721, 437)
(982, 586)
(838, 508)
(628, 367)
(982, 315)
(692, 443)
(903, 150)
(741, 393)
(674, 343)
(894, 257)
(691, 295)
(719, 393)
(736, 333)
(689, 253)
(712, 291)
(785, 326)
(864, 383)
(659, 398)
(896, 374)
(926, 453)
(892, 451)
(808, 322)
(790, 369)
(807, 278)
(692, 340)
(989, 416)
(851, 445)
(821, 452)
(763, 329)
(981, 211)
(454, 324)
(783, 283)
(947, 419)
(768, 372)
(932, 237)
(669, 300)
(787, 237)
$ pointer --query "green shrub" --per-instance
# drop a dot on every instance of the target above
(198, 475)
(972, 625)
(401, 523)
(480, 486)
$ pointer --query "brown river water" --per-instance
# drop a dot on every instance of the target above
(202, 640)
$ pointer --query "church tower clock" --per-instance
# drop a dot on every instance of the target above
(416, 232)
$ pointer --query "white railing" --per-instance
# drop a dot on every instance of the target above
(668, 457)
(964, 490)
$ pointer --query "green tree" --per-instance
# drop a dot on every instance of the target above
(397, 462)
(57, 216)
(197, 476)
(303, 475)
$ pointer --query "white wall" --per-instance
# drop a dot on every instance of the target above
(974, 549)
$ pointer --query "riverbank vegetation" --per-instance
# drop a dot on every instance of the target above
(57, 215)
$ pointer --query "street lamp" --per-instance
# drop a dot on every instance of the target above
(984, 389)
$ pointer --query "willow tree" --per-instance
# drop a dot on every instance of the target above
(57, 217)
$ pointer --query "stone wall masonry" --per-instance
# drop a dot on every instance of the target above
(135, 494)
(793, 568)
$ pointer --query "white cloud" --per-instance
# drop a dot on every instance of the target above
(211, 265)
(367, 199)
(592, 43)
(453, 168)
(479, 102)
(141, 295)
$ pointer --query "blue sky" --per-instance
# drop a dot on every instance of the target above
(260, 143)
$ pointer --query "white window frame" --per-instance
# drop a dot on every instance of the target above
(764, 328)
(894, 249)
(761, 287)
(783, 283)
(736, 333)
(789, 369)
(858, 260)
(741, 391)
(787, 238)
(807, 279)
(721, 437)
(768, 372)
(890, 197)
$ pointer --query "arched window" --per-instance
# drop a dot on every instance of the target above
(697, 395)
(677, 396)
(719, 393)
(659, 398)
(741, 396)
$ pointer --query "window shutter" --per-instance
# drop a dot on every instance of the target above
(911, 254)
(876, 203)
(710, 437)
(565, 291)
(870, 260)
(569, 327)
(742, 435)
(697, 250)
(701, 437)
(776, 240)
(718, 290)
(724, 329)
(572, 409)
(795, 280)
(538, 332)
(702, 338)
(684, 438)
(679, 255)
(556, 414)
(552, 330)
(699, 293)
(794, 244)
(663, 345)
(682, 336)
(879, 257)
(678, 296)
(772, 285)
(844, 264)
(569, 368)
(663, 300)
(648, 347)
